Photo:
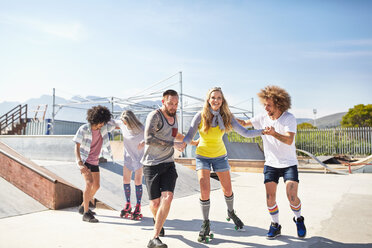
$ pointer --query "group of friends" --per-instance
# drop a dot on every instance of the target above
(149, 151)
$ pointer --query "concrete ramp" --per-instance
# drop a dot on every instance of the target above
(242, 150)
(47, 147)
(15, 202)
(47, 188)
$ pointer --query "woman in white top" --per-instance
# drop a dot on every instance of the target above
(133, 131)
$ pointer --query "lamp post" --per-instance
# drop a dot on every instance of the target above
(314, 111)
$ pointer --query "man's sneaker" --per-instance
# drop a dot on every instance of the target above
(162, 233)
(156, 242)
(81, 210)
(274, 231)
(88, 217)
(301, 229)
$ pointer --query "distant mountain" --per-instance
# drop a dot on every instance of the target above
(302, 120)
(329, 121)
(73, 112)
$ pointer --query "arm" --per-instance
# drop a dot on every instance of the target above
(111, 125)
(150, 132)
(245, 132)
(193, 129)
(286, 138)
(245, 123)
(83, 169)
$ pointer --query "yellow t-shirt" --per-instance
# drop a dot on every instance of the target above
(210, 143)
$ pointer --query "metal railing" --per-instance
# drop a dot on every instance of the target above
(348, 141)
(17, 115)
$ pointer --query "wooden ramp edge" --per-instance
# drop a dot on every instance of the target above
(44, 186)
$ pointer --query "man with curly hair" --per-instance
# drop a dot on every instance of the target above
(90, 141)
(280, 154)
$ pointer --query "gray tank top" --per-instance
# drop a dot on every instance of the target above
(159, 138)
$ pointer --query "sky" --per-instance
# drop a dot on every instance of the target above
(320, 51)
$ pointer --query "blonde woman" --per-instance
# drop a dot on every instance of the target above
(133, 137)
(212, 123)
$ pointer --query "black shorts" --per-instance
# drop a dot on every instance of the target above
(160, 178)
(92, 167)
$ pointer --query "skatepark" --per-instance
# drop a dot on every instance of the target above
(336, 207)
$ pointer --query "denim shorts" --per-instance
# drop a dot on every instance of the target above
(272, 174)
(219, 164)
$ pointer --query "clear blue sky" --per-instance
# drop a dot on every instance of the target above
(320, 51)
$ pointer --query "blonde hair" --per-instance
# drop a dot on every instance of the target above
(225, 112)
(132, 122)
(280, 97)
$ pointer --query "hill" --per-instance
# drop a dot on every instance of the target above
(329, 121)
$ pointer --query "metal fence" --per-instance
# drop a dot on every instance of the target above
(348, 141)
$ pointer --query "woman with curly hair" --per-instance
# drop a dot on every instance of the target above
(280, 155)
(213, 122)
(90, 141)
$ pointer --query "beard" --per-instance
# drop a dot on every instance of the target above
(170, 113)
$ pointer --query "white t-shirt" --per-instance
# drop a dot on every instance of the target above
(277, 153)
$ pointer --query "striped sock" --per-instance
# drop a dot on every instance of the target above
(274, 213)
(296, 210)
(127, 192)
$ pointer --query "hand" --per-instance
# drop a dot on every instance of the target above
(241, 122)
(194, 142)
(180, 146)
(82, 167)
(141, 145)
(269, 131)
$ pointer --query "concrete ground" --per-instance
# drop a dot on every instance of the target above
(336, 209)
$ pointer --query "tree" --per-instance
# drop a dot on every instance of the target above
(359, 116)
(306, 125)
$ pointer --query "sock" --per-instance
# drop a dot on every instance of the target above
(274, 213)
(230, 202)
(127, 191)
(205, 206)
(139, 193)
(296, 210)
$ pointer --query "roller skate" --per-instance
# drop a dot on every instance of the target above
(238, 223)
(205, 235)
(127, 211)
(136, 214)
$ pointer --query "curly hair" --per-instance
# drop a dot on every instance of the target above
(280, 97)
(98, 114)
(225, 112)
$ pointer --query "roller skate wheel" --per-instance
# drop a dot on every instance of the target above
(228, 218)
(211, 235)
(206, 240)
(236, 228)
